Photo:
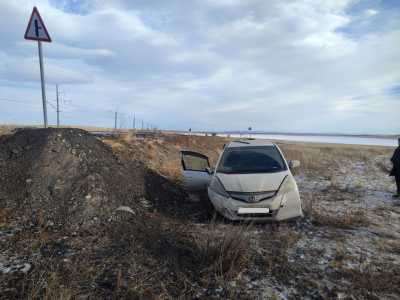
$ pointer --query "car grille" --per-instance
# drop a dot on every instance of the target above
(252, 197)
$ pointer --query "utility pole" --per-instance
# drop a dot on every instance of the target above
(115, 120)
(58, 107)
(134, 122)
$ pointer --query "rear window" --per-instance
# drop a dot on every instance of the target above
(264, 159)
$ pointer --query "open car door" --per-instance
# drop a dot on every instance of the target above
(195, 172)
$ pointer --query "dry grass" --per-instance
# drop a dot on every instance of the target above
(208, 257)
(320, 216)
(340, 255)
(367, 279)
(130, 136)
(172, 170)
(275, 246)
(322, 159)
(4, 217)
(6, 129)
(387, 245)
(56, 279)
(348, 219)
(210, 146)
(371, 279)
(224, 254)
(194, 259)
(99, 269)
(162, 155)
(311, 159)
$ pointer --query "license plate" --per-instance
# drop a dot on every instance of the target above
(253, 210)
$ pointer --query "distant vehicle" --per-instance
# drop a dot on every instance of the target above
(251, 181)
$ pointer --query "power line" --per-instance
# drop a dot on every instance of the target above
(123, 118)
(22, 102)
(18, 101)
(12, 100)
(51, 104)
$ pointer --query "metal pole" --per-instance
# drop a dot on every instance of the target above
(58, 108)
(115, 120)
(43, 83)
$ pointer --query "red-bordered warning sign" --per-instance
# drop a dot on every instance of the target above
(36, 29)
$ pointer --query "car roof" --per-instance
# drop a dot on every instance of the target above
(249, 143)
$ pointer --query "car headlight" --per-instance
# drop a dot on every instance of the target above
(287, 186)
(217, 187)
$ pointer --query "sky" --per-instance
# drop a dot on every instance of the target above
(286, 66)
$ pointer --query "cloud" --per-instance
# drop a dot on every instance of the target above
(328, 65)
(370, 12)
(26, 69)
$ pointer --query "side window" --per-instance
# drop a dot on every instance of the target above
(192, 161)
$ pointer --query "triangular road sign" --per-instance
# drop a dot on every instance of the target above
(36, 30)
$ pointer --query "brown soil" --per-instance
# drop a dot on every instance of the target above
(65, 176)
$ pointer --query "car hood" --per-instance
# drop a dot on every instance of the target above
(250, 183)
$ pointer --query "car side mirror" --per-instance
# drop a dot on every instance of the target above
(294, 164)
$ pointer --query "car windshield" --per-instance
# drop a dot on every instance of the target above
(261, 159)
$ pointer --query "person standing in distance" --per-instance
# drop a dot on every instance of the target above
(396, 169)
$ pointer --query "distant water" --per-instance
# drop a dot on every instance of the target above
(324, 139)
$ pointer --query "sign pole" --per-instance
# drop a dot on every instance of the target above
(43, 84)
(36, 31)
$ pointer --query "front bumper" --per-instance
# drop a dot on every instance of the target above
(280, 207)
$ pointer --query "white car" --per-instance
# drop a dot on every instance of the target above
(251, 181)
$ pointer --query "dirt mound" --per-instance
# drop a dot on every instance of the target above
(65, 176)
